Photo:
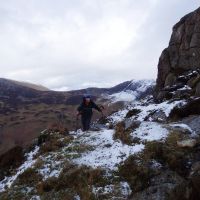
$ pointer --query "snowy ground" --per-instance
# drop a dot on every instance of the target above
(107, 153)
(150, 131)
(101, 150)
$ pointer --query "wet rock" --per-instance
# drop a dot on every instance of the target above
(197, 91)
(187, 190)
(192, 107)
(156, 116)
(193, 122)
(195, 167)
(170, 79)
(161, 186)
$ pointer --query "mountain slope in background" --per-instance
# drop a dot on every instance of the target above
(31, 85)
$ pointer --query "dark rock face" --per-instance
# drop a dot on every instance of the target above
(179, 64)
(11, 159)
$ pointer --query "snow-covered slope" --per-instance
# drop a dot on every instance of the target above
(98, 149)
(134, 90)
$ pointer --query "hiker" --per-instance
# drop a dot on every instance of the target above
(85, 110)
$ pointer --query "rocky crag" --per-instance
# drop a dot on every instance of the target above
(179, 63)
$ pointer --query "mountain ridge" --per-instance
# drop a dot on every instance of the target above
(26, 111)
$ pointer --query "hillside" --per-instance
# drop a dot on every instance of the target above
(25, 112)
(139, 152)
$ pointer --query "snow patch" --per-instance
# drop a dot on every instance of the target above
(118, 116)
(150, 131)
(35, 198)
(51, 167)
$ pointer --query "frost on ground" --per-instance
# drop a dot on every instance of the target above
(107, 153)
(150, 131)
(7, 181)
(98, 149)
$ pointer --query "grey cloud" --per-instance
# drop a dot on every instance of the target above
(76, 44)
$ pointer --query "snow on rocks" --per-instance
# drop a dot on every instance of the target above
(7, 181)
(184, 127)
(118, 116)
(145, 109)
(122, 187)
(77, 197)
(35, 197)
(166, 107)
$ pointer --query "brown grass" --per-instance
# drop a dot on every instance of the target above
(136, 172)
(123, 134)
(29, 177)
(78, 180)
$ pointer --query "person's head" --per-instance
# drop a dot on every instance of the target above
(87, 98)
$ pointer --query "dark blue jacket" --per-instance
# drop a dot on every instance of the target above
(86, 110)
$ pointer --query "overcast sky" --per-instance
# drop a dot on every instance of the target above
(72, 44)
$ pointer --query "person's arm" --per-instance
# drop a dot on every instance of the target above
(96, 107)
(79, 109)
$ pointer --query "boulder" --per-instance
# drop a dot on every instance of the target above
(197, 91)
(187, 143)
(11, 160)
(161, 186)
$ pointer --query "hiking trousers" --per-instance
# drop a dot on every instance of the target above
(86, 120)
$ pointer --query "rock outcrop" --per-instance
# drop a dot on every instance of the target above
(179, 63)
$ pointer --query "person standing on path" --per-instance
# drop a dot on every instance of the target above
(85, 110)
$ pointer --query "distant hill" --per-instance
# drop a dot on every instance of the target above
(26, 109)
(26, 84)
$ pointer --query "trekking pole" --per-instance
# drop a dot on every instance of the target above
(77, 122)
(102, 108)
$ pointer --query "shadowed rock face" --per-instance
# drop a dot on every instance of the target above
(13, 158)
(181, 57)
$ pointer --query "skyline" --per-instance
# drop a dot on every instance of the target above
(91, 43)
